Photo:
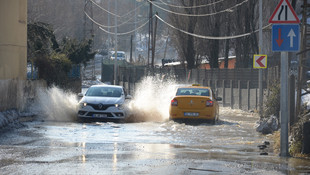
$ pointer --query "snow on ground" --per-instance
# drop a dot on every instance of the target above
(10, 117)
(305, 99)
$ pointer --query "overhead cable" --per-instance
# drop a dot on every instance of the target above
(125, 15)
(101, 25)
(198, 6)
(209, 37)
(125, 33)
(199, 15)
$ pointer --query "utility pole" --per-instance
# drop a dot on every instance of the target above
(135, 37)
(115, 49)
(166, 45)
(150, 33)
(154, 42)
(92, 37)
(130, 49)
(109, 35)
(89, 32)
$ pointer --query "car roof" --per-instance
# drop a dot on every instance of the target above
(106, 85)
(200, 87)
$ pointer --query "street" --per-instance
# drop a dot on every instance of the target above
(229, 147)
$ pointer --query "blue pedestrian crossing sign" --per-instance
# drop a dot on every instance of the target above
(285, 38)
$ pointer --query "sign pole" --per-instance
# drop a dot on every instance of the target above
(284, 105)
(260, 73)
(285, 38)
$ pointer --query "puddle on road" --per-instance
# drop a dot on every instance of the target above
(232, 138)
(229, 146)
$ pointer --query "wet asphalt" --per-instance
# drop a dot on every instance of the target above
(232, 146)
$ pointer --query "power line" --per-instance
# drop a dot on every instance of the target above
(125, 15)
(209, 37)
(101, 25)
(125, 33)
(199, 15)
(198, 6)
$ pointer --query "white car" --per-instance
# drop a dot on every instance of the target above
(103, 102)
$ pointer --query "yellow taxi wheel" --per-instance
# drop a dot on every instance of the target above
(213, 121)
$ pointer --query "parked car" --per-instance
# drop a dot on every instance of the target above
(194, 103)
(103, 102)
(120, 55)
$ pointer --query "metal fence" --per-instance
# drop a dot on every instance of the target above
(237, 87)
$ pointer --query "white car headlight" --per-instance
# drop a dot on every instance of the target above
(119, 106)
(82, 105)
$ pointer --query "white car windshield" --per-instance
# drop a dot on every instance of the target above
(104, 92)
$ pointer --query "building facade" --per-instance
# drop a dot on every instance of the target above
(13, 39)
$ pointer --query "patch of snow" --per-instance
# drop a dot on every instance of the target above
(305, 99)
(8, 117)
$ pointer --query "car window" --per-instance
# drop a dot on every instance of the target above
(193, 91)
(104, 92)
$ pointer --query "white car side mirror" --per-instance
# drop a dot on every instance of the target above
(128, 97)
(80, 95)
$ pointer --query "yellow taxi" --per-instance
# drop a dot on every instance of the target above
(194, 103)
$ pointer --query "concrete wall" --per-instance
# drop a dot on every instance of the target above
(13, 39)
(17, 94)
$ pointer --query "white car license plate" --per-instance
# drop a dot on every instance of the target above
(191, 114)
(100, 115)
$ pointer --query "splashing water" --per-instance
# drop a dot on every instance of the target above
(150, 103)
(151, 100)
(56, 104)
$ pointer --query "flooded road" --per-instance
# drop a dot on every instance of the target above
(229, 147)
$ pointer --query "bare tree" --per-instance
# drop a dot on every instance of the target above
(185, 43)
(245, 22)
(228, 18)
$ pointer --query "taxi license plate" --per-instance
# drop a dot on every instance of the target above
(100, 115)
(191, 114)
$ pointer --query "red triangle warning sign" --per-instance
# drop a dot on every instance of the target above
(284, 13)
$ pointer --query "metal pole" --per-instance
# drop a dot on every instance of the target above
(302, 57)
(135, 37)
(115, 53)
(109, 35)
(130, 60)
(284, 105)
(260, 74)
(154, 42)
(150, 34)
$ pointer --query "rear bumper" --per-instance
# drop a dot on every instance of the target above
(208, 114)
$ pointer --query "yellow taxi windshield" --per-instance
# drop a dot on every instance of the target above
(193, 91)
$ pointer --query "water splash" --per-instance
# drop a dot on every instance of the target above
(56, 104)
(151, 99)
(150, 103)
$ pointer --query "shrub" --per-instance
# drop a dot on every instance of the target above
(54, 69)
(272, 104)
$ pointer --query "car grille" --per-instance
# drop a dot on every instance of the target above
(100, 106)
(90, 114)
